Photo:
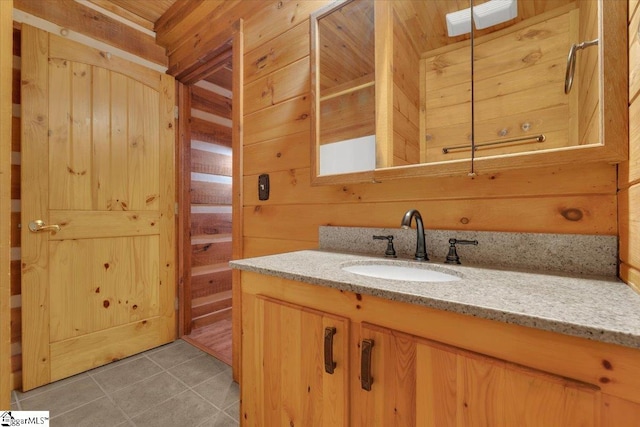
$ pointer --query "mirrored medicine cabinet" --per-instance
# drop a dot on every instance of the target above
(409, 88)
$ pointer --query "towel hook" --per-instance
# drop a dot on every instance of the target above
(571, 63)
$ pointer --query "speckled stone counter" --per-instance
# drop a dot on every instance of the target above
(596, 308)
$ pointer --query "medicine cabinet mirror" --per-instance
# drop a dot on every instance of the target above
(444, 87)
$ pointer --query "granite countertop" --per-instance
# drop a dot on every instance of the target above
(597, 308)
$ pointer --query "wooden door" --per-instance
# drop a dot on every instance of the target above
(98, 162)
(283, 373)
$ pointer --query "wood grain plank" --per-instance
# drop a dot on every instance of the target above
(280, 120)
(283, 50)
(210, 163)
(210, 253)
(550, 181)
(210, 102)
(257, 246)
(288, 152)
(277, 18)
(210, 224)
(77, 17)
(566, 214)
(210, 193)
(210, 279)
(629, 226)
(279, 86)
(126, 14)
(119, 223)
(35, 116)
(122, 341)
(203, 130)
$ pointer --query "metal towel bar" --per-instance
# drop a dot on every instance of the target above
(533, 138)
(571, 63)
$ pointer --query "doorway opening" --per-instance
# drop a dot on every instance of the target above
(206, 204)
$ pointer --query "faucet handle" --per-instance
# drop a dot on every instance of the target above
(391, 251)
(452, 256)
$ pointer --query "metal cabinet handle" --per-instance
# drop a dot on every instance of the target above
(365, 365)
(329, 364)
(39, 225)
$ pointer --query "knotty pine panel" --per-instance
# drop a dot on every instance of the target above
(292, 186)
(210, 253)
(210, 163)
(276, 18)
(286, 118)
(210, 193)
(283, 153)
(283, 50)
(210, 223)
(257, 246)
(203, 130)
(566, 214)
(210, 102)
(281, 85)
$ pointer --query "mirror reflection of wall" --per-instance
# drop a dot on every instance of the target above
(515, 81)
(346, 81)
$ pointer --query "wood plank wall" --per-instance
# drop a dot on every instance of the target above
(566, 199)
(16, 313)
(629, 175)
(6, 125)
(575, 198)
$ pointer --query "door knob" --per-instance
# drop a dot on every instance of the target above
(39, 225)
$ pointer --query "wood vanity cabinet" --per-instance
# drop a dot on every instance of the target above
(422, 367)
(295, 369)
(417, 382)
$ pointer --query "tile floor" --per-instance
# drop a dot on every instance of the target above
(173, 385)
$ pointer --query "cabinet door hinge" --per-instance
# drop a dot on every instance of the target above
(177, 210)
(176, 111)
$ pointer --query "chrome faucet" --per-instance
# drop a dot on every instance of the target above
(421, 248)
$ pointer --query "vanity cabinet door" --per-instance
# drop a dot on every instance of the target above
(416, 382)
(294, 366)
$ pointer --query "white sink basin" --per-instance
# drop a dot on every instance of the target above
(401, 272)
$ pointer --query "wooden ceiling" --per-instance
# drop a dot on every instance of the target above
(146, 13)
(143, 12)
